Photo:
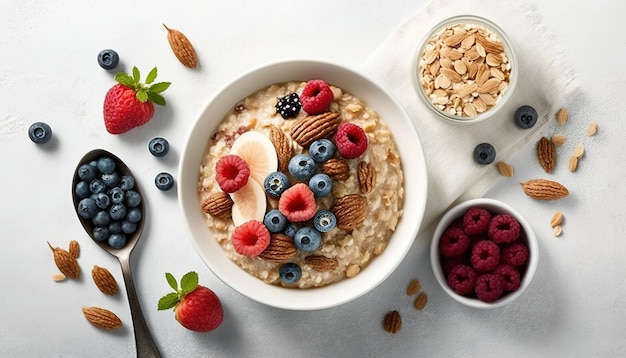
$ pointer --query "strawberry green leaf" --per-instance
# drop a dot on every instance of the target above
(168, 301)
(142, 95)
(124, 79)
(171, 280)
(156, 98)
(136, 75)
(160, 87)
(189, 282)
(151, 76)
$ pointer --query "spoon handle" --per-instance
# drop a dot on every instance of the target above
(143, 341)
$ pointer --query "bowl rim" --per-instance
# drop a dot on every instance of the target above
(498, 207)
(347, 289)
(508, 47)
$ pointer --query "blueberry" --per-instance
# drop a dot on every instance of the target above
(127, 182)
(290, 230)
(102, 200)
(132, 198)
(307, 239)
(111, 179)
(275, 221)
(301, 167)
(133, 215)
(324, 221)
(87, 208)
(86, 172)
(164, 181)
(117, 211)
(105, 165)
(276, 183)
(82, 190)
(117, 241)
(97, 186)
(321, 185)
(321, 150)
(288, 106)
(484, 153)
(525, 117)
(128, 227)
(158, 146)
(39, 132)
(116, 194)
(108, 59)
(101, 233)
(115, 227)
(101, 219)
(290, 272)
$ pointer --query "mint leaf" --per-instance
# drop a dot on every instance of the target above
(142, 95)
(156, 98)
(151, 76)
(124, 79)
(171, 280)
(189, 282)
(168, 301)
(159, 87)
(136, 75)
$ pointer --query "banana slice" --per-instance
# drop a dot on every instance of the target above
(258, 151)
(249, 203)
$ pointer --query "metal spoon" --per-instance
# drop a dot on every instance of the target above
(143, 341)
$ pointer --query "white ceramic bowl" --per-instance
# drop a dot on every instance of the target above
(508, 50)
(495, 207)
(413, 162)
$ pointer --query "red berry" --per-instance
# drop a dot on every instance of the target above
(462, 279)
(515, 254)
(476, 221)
(350, 140)
(200, 310)
(503, 228)
(297, 203)
(231, 173)
(453, 242)
(123, 111)
(509, 276)
(485, 255)
(448, 263)
(316, 97)
(251, 238)
(488, 287)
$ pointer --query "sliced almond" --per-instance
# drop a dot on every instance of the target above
(579, 151)
(557, 230)
(562, 116)
(505, 169)
(558, 139)
(557, 219)
(58, 277)
(573, 163)
(591, 130)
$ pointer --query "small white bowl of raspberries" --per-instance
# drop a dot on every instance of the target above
(484, 253)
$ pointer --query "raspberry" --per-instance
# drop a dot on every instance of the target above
(476, 221)
(462, 279)
(448, 263)
(485, 255)
(297, 203)
(288, 106)
(503, 228)
(509, 277)
(453, 242)
(488, 287)
(231, 173)
(350, 140)
(316, 97)
(251, 238)
(515, 254)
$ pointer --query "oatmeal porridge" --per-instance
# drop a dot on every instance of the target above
(365, 203)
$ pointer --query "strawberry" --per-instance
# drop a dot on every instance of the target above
(196, 307)
(129, 103)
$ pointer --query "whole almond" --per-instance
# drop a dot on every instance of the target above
(182, 47)
(562, 116)
(505, 169)
(546, 154)
(311, 128)
(66, 263)
(102, 318)
(284, 152)
(281, 248)
(392, 322)
(321, 263)
(544, 189)
(414, 287)
(336, 169)
(74, 248)
(350, 211)
(218, 205)
(420, 301)
(367, 177)
(104, 280)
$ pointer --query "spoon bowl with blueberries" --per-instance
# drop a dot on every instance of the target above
(111, 208)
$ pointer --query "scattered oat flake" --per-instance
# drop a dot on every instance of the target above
(591, 130)
(414, 287)
(505, 169)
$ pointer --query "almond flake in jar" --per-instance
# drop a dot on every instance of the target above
(353, 249)
(460, 63)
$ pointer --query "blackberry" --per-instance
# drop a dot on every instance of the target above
(288, 106)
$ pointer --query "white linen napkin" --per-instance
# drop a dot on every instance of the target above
(544, 82)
